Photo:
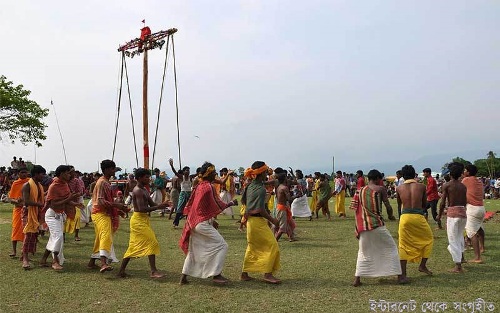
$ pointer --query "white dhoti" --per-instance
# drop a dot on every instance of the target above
(226, 197)
(475, 218)
(377, 254)
(85, 212)
(55, 223)
(456, 244)
(206, 253)
(300, 207)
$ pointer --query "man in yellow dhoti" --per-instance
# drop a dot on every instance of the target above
(76, 186)
(262, 254)
(415, 235)
(340, 187)
(103, 211)
(142, 237)
(314, 193)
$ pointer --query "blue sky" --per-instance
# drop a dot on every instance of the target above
(288, 82)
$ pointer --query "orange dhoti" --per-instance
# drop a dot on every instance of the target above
(17, 224)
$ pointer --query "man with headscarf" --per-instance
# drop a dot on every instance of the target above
(203, 245)
(262, 254)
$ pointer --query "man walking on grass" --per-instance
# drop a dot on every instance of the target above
(142, 237)
(377, 254)
(455, 195)
(415, 235)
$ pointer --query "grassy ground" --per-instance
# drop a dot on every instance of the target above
(317, 272)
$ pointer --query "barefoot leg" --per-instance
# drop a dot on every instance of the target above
(357, 281)
(244, 277)
(269, 278)
(183, 280)
(423, 267)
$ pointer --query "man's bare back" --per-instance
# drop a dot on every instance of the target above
(176, 184)
(412, 196)
(455, 193)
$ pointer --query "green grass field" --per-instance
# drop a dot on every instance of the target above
(317, 272)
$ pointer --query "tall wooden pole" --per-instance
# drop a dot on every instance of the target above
(145, 108)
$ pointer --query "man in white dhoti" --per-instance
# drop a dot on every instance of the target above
(454, 194)
(475, 211)
(378, 253)
(300, 206)
(204, 247)
(59, 199)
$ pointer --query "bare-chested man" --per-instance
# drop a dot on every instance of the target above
(415, 235)
(142, 237)
(174, 194)
(284, 216)
(454, 194)
(475, 211)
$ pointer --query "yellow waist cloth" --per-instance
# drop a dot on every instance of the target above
(142, 237)
(103, 233)
(314, 201)
(243, 209)
(263, 253)
(73, 224)
(340, 202)
(415, 238)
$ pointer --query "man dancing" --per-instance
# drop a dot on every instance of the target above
(59, 200)
(102, 213)
(377, 254)
(415, 235)
(203, 245)
(340, 187)
(185, 184)
(284, 216)
(455, 194)
(432, 195)
(15, 197)
(142, 237)
(324, 194)
(262, 254)
(32, 192)
(475, 211)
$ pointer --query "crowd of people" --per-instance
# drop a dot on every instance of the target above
(271, 200)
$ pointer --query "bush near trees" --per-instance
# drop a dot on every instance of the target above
(20, 118)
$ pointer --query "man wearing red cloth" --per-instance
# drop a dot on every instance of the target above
(204, 247)
(432, 195)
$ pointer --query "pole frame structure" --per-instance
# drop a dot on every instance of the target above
(136, 47)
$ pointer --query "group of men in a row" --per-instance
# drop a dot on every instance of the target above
(33, 215)
(461, 199)
(204, 246)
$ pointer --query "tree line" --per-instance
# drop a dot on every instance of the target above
(487, 167)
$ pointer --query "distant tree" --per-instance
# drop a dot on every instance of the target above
(20, 118)
(489, 167)
(456, 159)
(241, 170)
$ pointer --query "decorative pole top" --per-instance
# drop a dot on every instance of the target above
(147, 41)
